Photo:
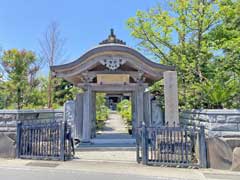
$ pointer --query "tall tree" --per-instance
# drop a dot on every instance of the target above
(52, 51)
(63, 91)
(179, 35)
(21, 69)
(224, 40)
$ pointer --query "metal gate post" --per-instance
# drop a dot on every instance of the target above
(144, 144)
(137, 145)
(18, 150)
(62, 140)
(202, 148)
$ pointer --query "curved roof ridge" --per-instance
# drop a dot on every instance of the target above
(112, 47)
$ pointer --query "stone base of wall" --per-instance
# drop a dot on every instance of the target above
(223, 153)
(7, 145)
(236, 159)
(222, 127)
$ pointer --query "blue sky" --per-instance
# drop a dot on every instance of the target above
(84, 23)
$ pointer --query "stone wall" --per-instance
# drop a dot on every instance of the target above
(9, 118)
(8, 124)
(222, 127)
(217, 122)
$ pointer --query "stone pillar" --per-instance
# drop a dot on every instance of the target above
(171, 97)
(87, 114)
(139, 105)
(79, 115)
(69, 115)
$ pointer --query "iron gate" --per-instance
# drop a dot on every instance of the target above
(171, 146)
(44, 140)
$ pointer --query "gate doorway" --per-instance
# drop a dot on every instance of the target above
(113, 127)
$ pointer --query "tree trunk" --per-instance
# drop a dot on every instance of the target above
(18, 98)
(50, 90)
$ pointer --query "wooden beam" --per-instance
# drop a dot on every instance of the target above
(113, 87)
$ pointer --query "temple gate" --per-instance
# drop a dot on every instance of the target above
(113, 67)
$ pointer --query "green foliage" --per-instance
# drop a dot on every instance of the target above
(102, 110)
(63, 91)
(201, 39)
(125, 109)
(21, 70)
(21, 87)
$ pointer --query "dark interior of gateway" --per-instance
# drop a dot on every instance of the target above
(113, 99)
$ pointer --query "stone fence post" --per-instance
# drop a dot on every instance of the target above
(171, 97)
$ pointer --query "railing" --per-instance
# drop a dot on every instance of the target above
(171, 146)
(44, 140)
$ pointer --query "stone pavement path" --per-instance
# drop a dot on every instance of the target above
(114, 133)
(113, 143)
(114, 128)
(114, 124)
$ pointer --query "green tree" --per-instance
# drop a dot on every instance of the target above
(181, 36)
(224, 41)
(21, 69)
(63, 91)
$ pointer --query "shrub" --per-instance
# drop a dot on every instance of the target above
(125, 109)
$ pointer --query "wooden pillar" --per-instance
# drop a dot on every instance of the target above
(134, 116)
(87, 114)
(147, 108)
(171, 97)
(79, 115)
(93, 129)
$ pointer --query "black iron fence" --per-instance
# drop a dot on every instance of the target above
(44, 140)
(171, 146)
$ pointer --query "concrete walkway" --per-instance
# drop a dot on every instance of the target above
(114, 132)
(114, 128)
(113, 143)
(114, 124)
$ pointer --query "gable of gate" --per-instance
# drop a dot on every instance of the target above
(111, 62)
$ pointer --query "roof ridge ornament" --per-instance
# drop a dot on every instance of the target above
(112, 39)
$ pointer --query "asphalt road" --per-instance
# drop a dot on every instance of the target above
(16, 169)
(7, 173)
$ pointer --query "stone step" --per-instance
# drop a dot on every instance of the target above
(114, 136)
(105, 147)
(108, 144)
(113, 141)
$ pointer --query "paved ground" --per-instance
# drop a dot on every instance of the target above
(22, 174)
(112, 144)
(114, 136)
(114, 128)
(114, 124)
(108, 155)
(91, 170)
